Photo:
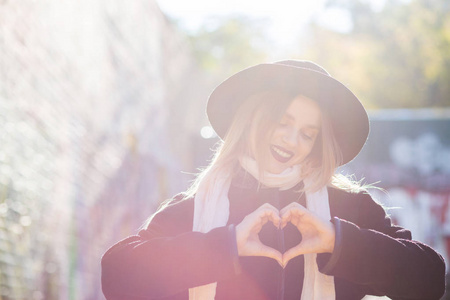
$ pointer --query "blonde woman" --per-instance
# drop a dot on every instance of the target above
(269, 218)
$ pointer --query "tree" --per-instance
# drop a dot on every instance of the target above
(226, 45)
(398, 56)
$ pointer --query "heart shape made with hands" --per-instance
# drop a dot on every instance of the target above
(317, 235)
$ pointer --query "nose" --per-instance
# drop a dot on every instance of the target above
(290, 137)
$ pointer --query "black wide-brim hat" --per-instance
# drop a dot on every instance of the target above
(349, 120)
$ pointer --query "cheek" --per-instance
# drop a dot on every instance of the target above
(305, 148)
(276, 135)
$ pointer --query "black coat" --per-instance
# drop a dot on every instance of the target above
(371, 256)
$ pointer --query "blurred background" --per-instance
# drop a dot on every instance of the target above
(102, 115)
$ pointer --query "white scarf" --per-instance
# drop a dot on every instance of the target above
(212, 209)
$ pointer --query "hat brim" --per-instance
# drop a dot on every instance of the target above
(348, 117)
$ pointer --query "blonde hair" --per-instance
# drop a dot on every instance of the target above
(263, 111)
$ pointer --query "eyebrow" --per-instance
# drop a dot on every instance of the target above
(291, 118)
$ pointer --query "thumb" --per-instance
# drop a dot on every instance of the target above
(291, 253)
(271, 253)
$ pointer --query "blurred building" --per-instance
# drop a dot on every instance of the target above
(408, 155)
(96, 111)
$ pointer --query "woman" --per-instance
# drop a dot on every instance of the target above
(268, 218)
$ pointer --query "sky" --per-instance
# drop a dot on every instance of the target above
(286, 19)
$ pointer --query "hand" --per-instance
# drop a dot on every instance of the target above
(318, 235)
(248, 242)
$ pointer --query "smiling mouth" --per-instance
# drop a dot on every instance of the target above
(280, 154)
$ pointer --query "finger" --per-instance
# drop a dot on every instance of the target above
(263, 211)
(287, 256)
(263, 214)
(294, 252)
(256, 222)
(290, 206)
(302, 214)
(295, 220)
(269, 214)
(291, 216)
(292, 211)
(309, 218)
(275, 219)
(266, 206)
(285, 219)
(287, 208)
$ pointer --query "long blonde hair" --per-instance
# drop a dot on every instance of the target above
(265, 110)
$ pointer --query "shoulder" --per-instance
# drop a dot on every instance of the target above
(176, 207)
(343, 194)
(173, 216)
(340, 197)
(357, 207)
(177, 203)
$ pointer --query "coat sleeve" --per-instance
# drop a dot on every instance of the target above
(167, 258)
(383, 258)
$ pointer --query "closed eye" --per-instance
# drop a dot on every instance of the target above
(307, 136)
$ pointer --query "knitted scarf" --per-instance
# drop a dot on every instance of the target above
(212, 209)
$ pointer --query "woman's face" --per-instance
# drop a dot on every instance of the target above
(293, 137)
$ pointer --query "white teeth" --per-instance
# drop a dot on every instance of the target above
(281, 153)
